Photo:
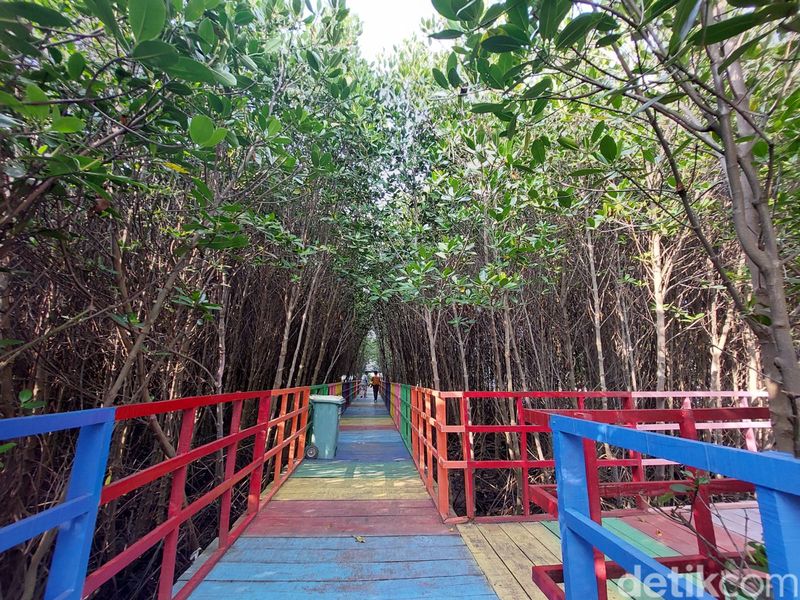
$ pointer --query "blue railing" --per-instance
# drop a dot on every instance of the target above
(776, 477)
(75, 516)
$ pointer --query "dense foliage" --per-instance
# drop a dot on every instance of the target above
(222, 195)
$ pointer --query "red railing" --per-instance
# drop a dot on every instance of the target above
(435, 415)
(279, 432)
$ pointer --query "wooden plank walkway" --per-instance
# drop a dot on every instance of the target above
(360, 526)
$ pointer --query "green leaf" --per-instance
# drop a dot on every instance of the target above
(146, 18)
(447, 34)
(25, 396)
(487, 107)
(191, 70)
(537, 89)
(206, 31)
(67, 125)
(223, 77)
(273, 127)
(577, 29)
(608, 148)
(453, 77)
(155, 52)
(567, 143)
(440, 78)
(501, 43)
(740, 51)
(313, 60)
(103, 10)
(658, 8)
(35, 13)
(194, 10)
(216, 137)
(583, 172)
(492, 14)
(728, 28)
(33, 93)
(551, 14)
(468, 10)
(445, 8)
(685, 16)
(9, 342)
(201, 128)
(538, 150)
(75, 65)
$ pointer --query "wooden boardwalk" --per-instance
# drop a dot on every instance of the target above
(363, 525)
(360, 526)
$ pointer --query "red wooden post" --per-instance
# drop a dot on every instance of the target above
(469, 489)
(442, 472)
(279, 436)
(304, 396)
(259, 447)
(415, 391)
(701, 506)
(523, 450)
(429, 439)
(176, 498)
(294, 423)
(230, 466)
(637, 471)
(595, 509)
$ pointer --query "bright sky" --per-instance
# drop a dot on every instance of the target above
(388, 22)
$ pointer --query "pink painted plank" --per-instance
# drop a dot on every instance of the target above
(275, 525)
(347, 508)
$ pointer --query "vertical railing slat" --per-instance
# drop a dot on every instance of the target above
(176, 498)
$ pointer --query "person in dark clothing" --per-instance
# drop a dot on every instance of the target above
(376, 386)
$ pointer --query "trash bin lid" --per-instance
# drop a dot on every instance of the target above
(327, 399)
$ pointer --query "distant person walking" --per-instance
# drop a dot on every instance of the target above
(364, 382)
(376, 386)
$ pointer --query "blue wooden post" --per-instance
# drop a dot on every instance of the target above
(580, 582)
(75, 517)
(74, 541)
(780, 518)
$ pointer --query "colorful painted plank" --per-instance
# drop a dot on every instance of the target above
(349, 469)
(471, 587)
(347, 508)
(334, 488)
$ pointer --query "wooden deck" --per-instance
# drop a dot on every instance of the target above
(507, 551)
(360, 526)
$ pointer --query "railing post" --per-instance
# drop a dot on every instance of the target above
(442, 472)
(176, 498)
(595, 509)
(637, 471)
(580, 581)
(414, 416)
(281, 428)
(469, 488)
(429, 439)
(780, 516)
(523, 450)
(74, 538)
(230, 466)
(259, 448)
(305, 399)
(701, 504)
